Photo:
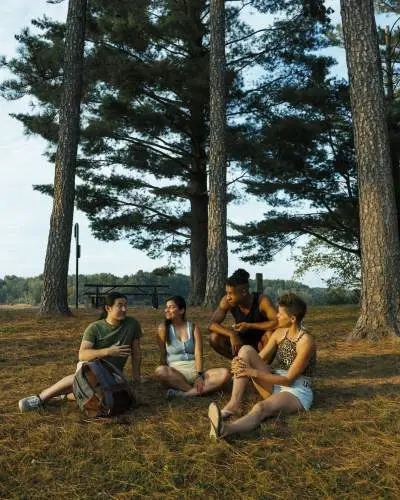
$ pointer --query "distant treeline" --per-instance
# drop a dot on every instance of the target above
(14, 289)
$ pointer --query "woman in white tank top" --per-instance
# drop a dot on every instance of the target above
(181, 355)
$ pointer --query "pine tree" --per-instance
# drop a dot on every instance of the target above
(55, 275)
(217, 251)
(302, 161)
(145, 110)
(379, 237)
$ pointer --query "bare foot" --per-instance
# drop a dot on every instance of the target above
(230, 411)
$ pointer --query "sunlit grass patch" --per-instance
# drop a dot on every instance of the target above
(345, 447)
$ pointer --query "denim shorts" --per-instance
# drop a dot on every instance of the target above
(301, 388)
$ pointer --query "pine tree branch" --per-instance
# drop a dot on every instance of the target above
(137, 184)
(159, 45)
(164, 100)
(264, 86)
(251, 57)
(332, 243)
(237, 40)
(337, 220)
(156, 148)
(345, 177)
(172, 104)
(170, 148)
(150, 209)
(237, 179)
(244, 4)
(118, 48)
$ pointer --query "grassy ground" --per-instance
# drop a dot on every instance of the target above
(346, 447)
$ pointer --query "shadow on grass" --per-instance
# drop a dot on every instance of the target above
(328, 319)
(369, 366)
(28, 360)
(333, 396)
(152, 402)
(326, 398)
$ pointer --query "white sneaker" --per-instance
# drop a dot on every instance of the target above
(30, 403)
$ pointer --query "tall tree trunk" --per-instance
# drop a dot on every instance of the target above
(390, 60)
(198, 107)
(380, 255)
(55, 292)
(217, 250)
(198, 244)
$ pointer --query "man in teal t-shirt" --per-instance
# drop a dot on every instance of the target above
(114, 338)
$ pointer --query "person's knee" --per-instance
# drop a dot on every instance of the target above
(246, 351)
(225, 376)
(261, 410)
(161, 372)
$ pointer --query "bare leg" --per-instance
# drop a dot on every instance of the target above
(221, 344)
(277, 403)
(63, 386)
(252, 358)
(172, 378)
(213, 379)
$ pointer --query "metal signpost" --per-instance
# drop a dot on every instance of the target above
(77, 256)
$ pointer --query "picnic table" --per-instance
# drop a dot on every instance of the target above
(96, 292)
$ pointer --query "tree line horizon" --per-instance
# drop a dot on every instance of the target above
(181, 108)
(28, 290)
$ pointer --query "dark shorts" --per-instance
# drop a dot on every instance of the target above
(227, 343)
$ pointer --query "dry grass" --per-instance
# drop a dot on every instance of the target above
(346, 447)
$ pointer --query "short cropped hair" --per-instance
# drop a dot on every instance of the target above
(294, 305)
(239, 277)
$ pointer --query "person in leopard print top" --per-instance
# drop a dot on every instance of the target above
(286, 389)
(287, 352)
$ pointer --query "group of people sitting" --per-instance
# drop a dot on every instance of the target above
(259, 335)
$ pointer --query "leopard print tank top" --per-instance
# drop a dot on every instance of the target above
(286, 354)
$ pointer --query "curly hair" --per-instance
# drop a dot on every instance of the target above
(239, 277)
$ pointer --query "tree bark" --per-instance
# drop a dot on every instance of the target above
(198, 105)
(380, 255)
(390, 60)
(198, 243)
(217, 250)
(55, 293)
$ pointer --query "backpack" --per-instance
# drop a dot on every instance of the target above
(101, 390)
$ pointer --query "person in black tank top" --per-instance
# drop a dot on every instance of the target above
(250, 335)
(254, 315)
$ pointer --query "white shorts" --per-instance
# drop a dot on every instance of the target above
(187, 369)
(301, 388)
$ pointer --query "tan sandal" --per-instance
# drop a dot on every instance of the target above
(217, 425)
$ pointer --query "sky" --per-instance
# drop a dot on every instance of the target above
(26, 213)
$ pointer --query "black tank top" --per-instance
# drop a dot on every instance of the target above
(250, 336)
